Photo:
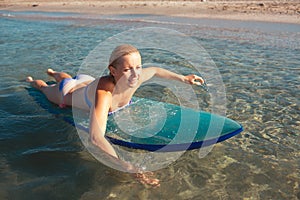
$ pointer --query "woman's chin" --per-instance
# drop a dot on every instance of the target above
(133, 83)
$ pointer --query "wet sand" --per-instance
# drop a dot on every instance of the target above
(255, 10)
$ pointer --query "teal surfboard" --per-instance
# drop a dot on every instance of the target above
(154, 126)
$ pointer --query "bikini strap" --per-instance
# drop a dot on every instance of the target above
(111, 113)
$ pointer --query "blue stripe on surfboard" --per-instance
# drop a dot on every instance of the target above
(174, 147)
(164, 147)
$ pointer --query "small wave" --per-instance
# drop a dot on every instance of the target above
(48, 150)
(7, 15)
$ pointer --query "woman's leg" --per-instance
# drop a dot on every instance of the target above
(51, 91)
(58, 76)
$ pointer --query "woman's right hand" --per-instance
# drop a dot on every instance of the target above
(145, 178)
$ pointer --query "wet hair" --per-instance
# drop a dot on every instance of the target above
(119, 52)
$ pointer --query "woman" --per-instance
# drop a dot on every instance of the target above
(107, 94)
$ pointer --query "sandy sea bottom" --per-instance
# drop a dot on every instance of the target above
(42, 157)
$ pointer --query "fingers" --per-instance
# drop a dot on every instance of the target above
(199, 80)
(146, 180)
(196, 80)
(143, 177)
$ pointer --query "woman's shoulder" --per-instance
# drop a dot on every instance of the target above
(106, 83)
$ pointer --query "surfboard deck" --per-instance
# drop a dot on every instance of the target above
(154, 126)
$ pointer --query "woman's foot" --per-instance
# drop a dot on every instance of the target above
(38, 84)
(29, 79)
(58, 76)
(50, 72)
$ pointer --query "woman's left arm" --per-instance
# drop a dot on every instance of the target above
(149, 72)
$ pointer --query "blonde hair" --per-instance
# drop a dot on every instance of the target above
(121, 51)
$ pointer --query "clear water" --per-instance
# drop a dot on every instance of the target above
(43, 158)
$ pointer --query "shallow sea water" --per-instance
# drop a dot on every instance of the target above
(42, 157)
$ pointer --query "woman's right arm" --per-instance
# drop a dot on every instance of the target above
(98, 120)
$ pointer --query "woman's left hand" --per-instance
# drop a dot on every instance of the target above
(194, 80)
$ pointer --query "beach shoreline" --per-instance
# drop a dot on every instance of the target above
(255, 10)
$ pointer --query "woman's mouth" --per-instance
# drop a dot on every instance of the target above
(133, 81)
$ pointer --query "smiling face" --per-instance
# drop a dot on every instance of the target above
(127, 70)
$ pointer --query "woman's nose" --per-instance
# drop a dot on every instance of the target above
(134, 72)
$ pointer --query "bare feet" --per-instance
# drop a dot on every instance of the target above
(58, 76)
(38, 84)
(29, 79)
(50, 72)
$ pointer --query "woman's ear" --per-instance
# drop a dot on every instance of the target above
(112, 70)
